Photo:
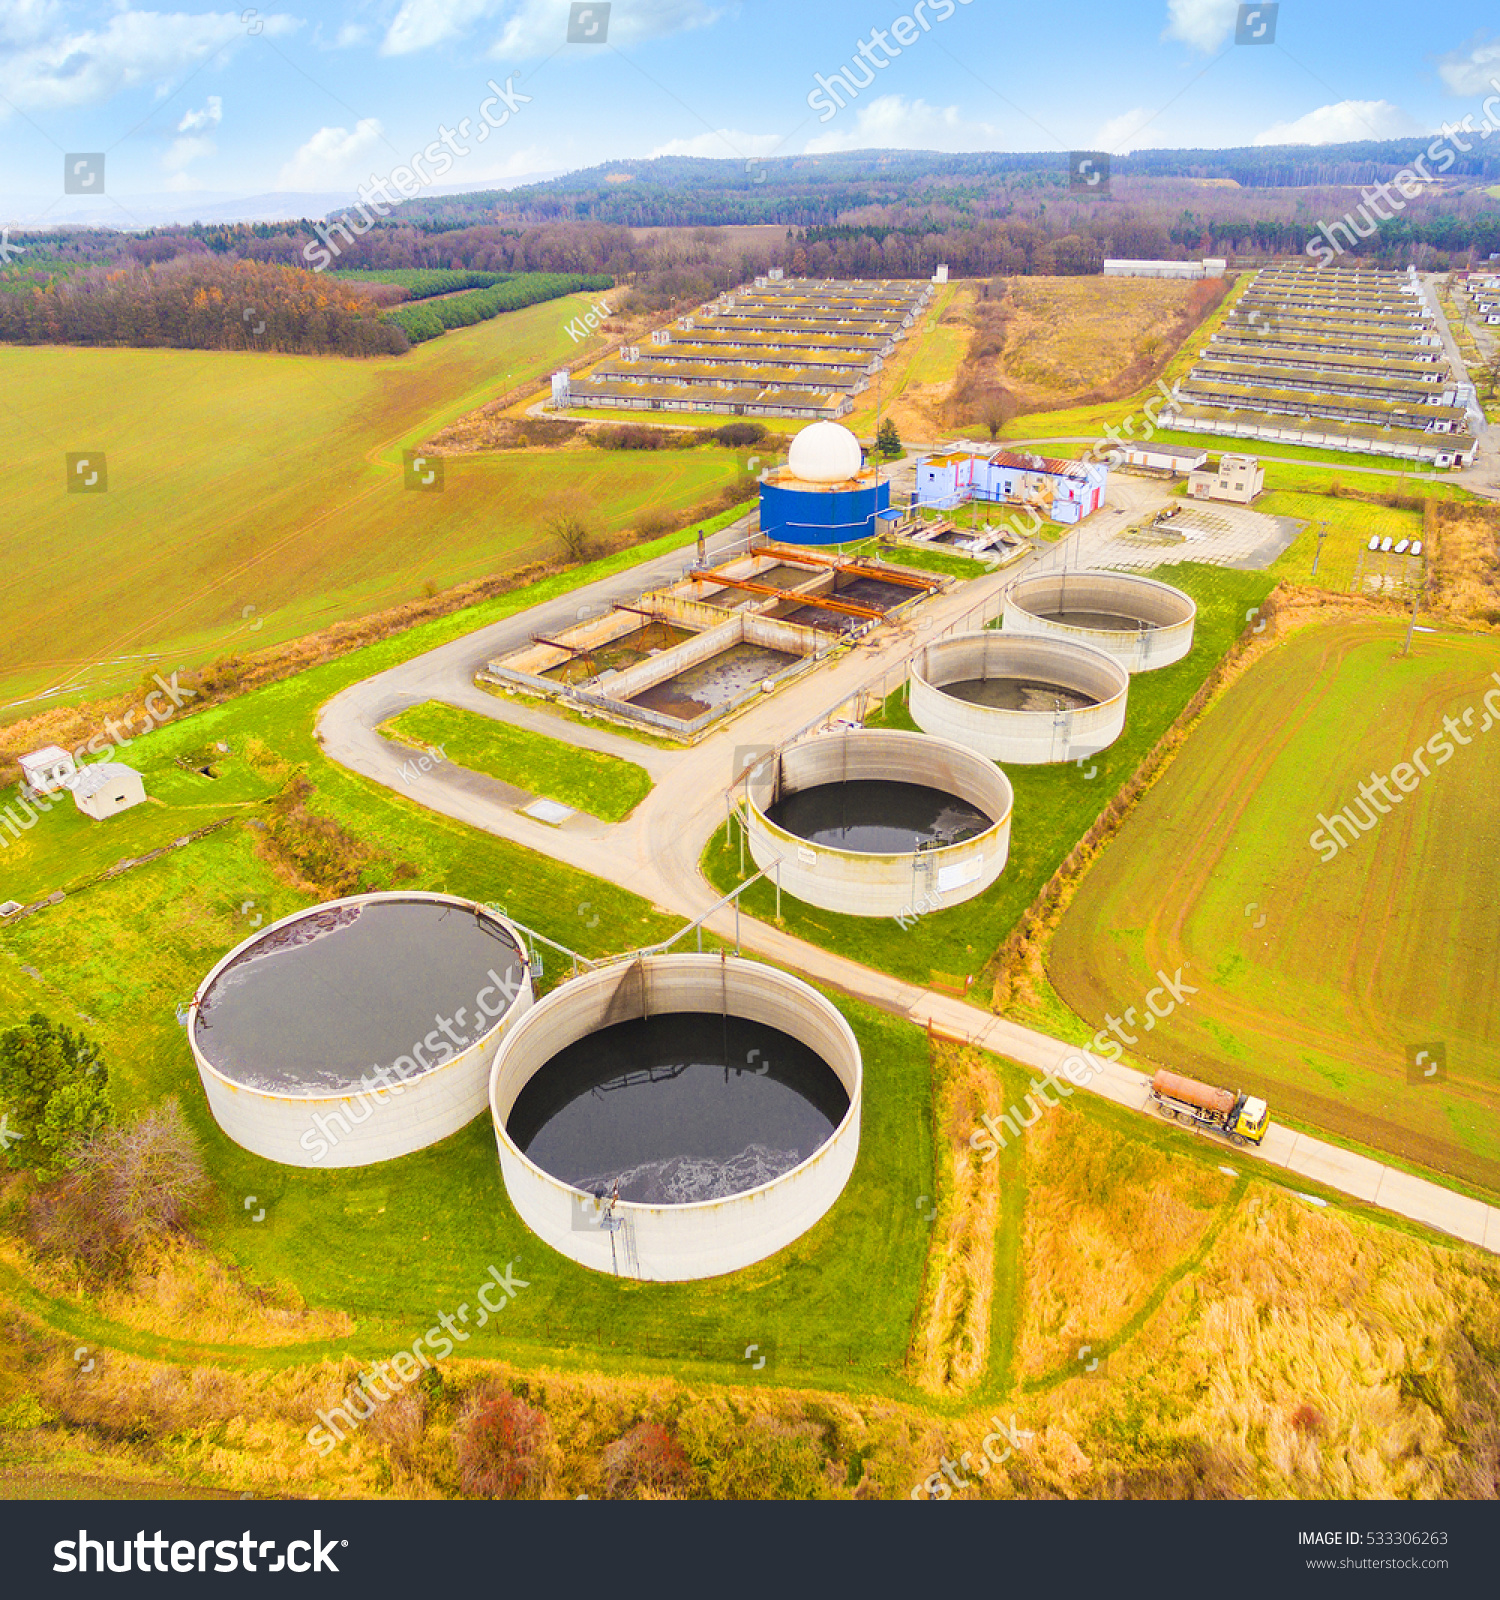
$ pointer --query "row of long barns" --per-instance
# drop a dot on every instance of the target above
(781, 348)
(1333, 358)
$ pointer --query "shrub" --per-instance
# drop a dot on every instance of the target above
(651, 524)
(632, 436)
(571, 532)
(762, 1458)
(129, 1185)
(501, 1448)
(648, 1457)
(148, 1175)
(738, 435)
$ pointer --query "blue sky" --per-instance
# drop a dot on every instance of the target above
(318, 97)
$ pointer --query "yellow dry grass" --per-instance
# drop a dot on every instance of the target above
(950, 1344)
(1309, 1356)
(1106, 1218)
(1069, 335)
(1465, 561)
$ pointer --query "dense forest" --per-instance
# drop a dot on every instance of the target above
(204, 302)
(198, 300)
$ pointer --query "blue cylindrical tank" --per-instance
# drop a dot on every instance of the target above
(801, 513)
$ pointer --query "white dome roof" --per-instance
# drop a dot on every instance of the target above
(824, 452)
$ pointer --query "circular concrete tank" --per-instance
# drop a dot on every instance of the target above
(360, 1029)
(1018, 697)
(610, 1113)
(888, 801)
(1140, 622)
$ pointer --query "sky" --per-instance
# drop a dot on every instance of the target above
(196, 108)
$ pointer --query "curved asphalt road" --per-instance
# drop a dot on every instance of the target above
(655, 852)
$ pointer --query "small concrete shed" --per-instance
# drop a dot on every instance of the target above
(105, 788)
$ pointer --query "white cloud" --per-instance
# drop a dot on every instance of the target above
(333, 158)
(533, 27)
(723, 143)
(538, 27)
(1129, 131)
(1204, 24)
(892, 122)
(420, 24)
(210, 116)
(194, 139)
(351, 34)
(21, 21)
(1473, 69)
(1345, 123)
(58, 68)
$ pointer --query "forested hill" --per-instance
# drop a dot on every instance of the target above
(817, 190)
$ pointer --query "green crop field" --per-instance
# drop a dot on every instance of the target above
(603, 785)
(255, 498)
(1316, 978)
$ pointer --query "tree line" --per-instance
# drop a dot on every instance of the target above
(206, 303)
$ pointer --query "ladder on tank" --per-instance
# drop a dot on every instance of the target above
(621, 1229)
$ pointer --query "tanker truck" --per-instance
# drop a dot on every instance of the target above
(1239, 1117)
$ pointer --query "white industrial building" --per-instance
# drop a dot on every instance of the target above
(1232, 477)
(106, 788)
(1208, 267)
(1065, 491)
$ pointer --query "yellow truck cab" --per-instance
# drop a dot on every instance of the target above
(1250, 1119)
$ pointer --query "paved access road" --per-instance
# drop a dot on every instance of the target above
(655, 852)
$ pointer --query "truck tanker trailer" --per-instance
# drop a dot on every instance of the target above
(1240, 1117)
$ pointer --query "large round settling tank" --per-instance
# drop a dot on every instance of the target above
(358, 1030)
(677, 1116)
(878, 823)
(1141, 623)
(1014, 697)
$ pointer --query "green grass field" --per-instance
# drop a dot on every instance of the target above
(1054, 806)
(265, 492)
(1351, 524)
(938, 561)
(1390, 944)
(603, 785)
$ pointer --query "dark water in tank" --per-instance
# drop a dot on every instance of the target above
(676, 1108)
(1018, 694)
(1103, 621)
(338, 994)
(877, 815)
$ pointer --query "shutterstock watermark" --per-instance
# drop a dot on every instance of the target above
(1406, 775)
(406, 1366)
(1081, 1068)
(1408, 184)
(941, 1484)
(906, 30)
(444, 1043)
(414, 176)
(35, 803)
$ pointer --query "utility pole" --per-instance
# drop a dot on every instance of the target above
(1416, 600)
(1318, 556)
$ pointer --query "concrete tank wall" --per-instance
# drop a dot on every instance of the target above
(381, 1123)
(703, 1239)
(1019, 736)
(879, 885)
(1168, 611)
